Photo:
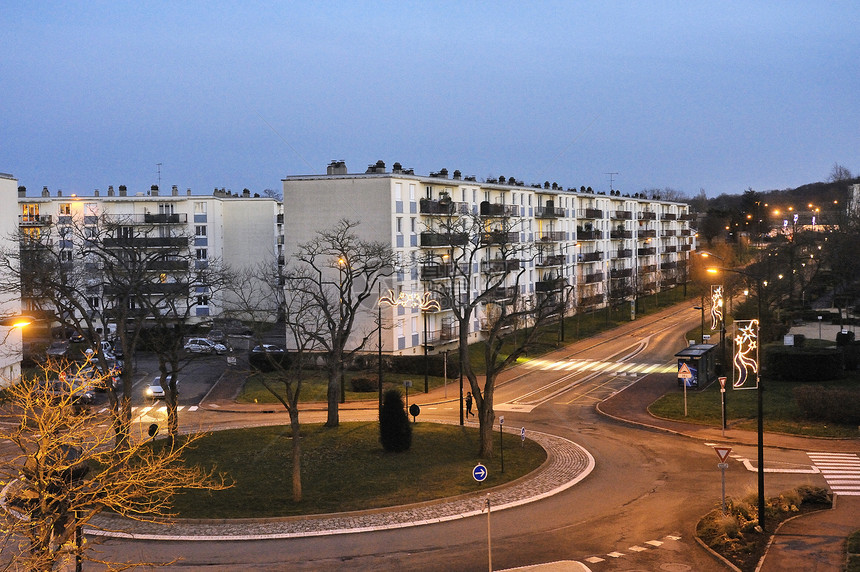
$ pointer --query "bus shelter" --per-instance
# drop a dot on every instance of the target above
(697, 365)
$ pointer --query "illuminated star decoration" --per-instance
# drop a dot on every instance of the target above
(745, 362)
(716, 306)
(423, 301)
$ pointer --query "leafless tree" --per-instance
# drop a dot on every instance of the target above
(336, 273)
(60, 471)
(839, 173)
(463, 241)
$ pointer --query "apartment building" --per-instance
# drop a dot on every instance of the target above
(175, 229)
(10, 302)
(598, 248)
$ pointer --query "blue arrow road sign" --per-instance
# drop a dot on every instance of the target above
(479, 472)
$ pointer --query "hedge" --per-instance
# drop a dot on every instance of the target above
(794, 364)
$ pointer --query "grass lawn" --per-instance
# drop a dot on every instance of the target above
(781, 413)
(344, 469)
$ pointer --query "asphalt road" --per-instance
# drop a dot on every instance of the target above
(636, 511)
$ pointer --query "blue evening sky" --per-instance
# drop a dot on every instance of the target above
(720, 96)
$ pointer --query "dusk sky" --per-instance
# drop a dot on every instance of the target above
(720, 96)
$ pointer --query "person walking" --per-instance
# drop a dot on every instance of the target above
(469, 404)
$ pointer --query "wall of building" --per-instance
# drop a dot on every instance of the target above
(10, 303)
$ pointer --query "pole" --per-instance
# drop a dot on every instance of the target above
(379, 339)
(78, 542)
(489, 536)
(445, 374)
(760, 405)
(723, 489)
(502, 442)
(426, 358)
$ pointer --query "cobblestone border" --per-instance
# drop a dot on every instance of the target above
(567, 464)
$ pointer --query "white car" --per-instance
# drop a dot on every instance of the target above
(204, 346)
(154, 390)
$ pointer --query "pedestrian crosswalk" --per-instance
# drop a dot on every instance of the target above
(139, 412)
(840, 470)
(610, 367)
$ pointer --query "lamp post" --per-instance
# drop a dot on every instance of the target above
(705, 254)
(759, 392)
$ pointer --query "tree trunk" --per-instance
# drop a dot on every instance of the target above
(297, 455)
(334, 372)
(486, 416)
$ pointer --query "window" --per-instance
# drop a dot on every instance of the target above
(91, 209)
(125, 232)
(30, 212)
(66, 209)
(93, 302)
(165, 208)
(200, 230)
(202, 300)
(412, 224)
(202, 254)
(398, 191)
(428, 192)
(399, 225)
(65, 256)
(199, 207)
(411, 192)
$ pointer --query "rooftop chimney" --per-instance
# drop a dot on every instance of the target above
(336, 168)
(110, 191)
(174, 191)
(153, 190)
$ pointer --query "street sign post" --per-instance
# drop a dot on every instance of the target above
(723, 403)
(502, 441)
(479, 473)
(723, 454)
(684, 373)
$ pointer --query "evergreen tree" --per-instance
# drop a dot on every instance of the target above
(395, 431)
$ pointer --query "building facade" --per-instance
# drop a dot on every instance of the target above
(10, 301)
(176, 232)
(596, 248)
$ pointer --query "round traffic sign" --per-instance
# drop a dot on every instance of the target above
(479, 472)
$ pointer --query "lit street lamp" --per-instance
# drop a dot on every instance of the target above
(759, 392)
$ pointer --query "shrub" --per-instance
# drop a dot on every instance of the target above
(364, 384)
(834, 405)
(395, 431)
(795, 364)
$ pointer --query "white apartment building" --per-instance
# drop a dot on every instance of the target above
(10, 303)
(237, 230)
(604, 247)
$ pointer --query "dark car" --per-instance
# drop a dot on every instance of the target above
(268, 357)
(72, 389)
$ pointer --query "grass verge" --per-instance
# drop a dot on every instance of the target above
(344, 469)
(781, 413)
(734, 535)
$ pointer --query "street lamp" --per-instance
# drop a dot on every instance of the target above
(706, 254)
(759, 391)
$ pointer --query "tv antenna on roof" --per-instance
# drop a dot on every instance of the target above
(158, 168)
(611, 175)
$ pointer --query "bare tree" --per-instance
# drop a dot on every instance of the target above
(460, 241)
(839, 173)
(336, 273)
(61, 472)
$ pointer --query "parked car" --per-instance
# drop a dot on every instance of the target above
(116, 349)
(73, 389)
(154, 390)
(268, 357)
(58, 349)
(219, 337)
(204, 346)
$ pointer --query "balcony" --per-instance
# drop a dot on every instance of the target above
(553, 260)
(431, 207)
(590, 213)
(146, 242)
(624, 253)
(668, 265)
(591, 256)
(668, 216)
(621, 215)
(443, 239)
(167, 265)
(595, 300)
(549, 212)
(553, 285)
(668, 233)
(620, 234)
(500, 266)
(172, 218)
(551, 236)
(436, 271)
(500, 293)
(670, 249)
(498, 210)
(648, 269)
(34, 220)
(647, 251)
(588, 234)
(686, 232)
(279, 219)
(593, 278)
(648, 233)
(499, 237)
(446, 334)
(647, 215)
(621, 273)
(688, 216)
(685, 248)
